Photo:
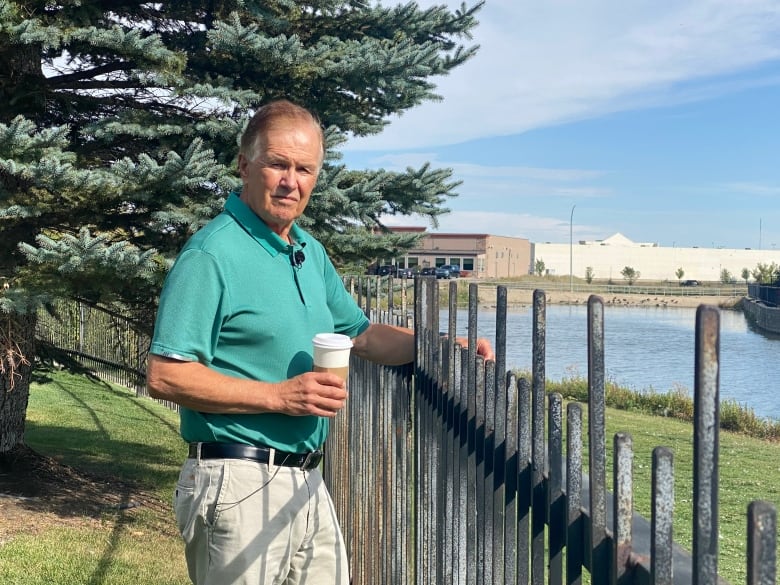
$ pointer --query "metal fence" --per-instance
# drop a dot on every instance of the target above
(453, 471)
(456, 472)
(103, 342)
(769, 294)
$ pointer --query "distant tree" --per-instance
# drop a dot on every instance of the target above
(679, 274)
(745, 275)
(630, 275)
(765, 273)
(726, 277)
(589, 274)
(539, 267)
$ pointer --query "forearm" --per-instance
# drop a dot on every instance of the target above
(385, 344)
(197, 387)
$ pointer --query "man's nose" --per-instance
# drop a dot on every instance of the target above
(289, 176)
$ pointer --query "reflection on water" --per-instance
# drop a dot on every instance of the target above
(647, 348)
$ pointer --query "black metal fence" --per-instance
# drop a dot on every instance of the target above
(454, 471)
(103, 342)
(769, 294)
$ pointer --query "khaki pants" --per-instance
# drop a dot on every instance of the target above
(248, 523)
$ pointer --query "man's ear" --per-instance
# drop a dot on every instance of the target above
(242, 165)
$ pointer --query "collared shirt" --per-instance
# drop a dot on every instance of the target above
(236, 301)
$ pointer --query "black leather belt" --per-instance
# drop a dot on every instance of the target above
(260, 454)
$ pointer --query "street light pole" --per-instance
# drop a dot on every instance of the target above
(571, 250)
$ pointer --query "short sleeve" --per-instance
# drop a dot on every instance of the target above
(192, 304)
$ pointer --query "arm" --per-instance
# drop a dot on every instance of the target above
(393, 346)
(197, 387)
(385, 344)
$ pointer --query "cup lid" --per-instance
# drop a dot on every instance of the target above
(332, 341)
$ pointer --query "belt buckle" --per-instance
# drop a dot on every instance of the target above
(312, 460)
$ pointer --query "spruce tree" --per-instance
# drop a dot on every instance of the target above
(118, 138)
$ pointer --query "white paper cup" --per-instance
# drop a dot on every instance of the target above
(331, 353)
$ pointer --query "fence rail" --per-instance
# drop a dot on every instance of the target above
(455, 471)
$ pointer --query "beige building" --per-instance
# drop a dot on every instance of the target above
(478, 255)
(607, 259)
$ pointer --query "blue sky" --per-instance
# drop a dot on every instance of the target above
(659, 120)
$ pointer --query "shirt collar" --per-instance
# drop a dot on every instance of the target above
(259, 230)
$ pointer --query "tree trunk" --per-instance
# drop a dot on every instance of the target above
(17, 348)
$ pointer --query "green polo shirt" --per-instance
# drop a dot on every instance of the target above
(234, 301)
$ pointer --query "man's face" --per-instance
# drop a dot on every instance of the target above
(279, 182)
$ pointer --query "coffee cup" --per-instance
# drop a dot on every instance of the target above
(331, 353)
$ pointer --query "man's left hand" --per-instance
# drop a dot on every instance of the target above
(483, 347)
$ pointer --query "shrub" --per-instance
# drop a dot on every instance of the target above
(676, 403)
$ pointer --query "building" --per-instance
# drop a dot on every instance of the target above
(478, 255)
(607, 258)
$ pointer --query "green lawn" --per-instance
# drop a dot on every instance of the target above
(105, 429)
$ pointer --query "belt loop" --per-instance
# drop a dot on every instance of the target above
(271, 458)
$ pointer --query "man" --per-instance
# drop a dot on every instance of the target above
(232, 347)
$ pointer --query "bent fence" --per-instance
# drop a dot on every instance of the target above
(454, 471)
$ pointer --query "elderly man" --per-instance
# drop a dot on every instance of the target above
(232, 347)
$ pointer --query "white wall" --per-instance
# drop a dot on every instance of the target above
(653, 263)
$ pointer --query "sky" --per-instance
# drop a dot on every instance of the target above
(656, 119)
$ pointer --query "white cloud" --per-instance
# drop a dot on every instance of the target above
(518, 225)
(485, 187)
(545, 63)
(755, 189)
(417, 159)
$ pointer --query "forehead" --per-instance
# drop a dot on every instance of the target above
(292, 136)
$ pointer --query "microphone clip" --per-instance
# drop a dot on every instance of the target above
(298, 257)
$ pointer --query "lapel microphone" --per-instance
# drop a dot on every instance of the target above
(298, 256)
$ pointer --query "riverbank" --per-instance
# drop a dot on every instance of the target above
(518, 297)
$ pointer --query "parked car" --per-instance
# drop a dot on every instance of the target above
(453, 268)
(405, 273)
(428, 271)
(385, 270)
(442, 272)
(689, 283)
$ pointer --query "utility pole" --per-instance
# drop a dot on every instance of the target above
(571, 250)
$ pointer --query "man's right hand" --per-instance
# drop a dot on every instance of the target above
(312, 393)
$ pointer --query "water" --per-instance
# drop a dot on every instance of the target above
(647, 348)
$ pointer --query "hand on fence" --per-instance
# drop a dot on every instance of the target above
(484, 348)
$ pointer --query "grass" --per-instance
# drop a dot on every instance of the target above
(106, 430)
(749, 470)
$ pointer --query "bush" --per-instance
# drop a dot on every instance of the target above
(676, 403)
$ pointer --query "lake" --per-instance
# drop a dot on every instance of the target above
(647, 348)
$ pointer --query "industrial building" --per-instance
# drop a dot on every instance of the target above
(607, 258)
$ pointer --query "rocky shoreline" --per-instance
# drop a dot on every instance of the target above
(517, 297)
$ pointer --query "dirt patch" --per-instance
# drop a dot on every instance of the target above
(38, 492)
